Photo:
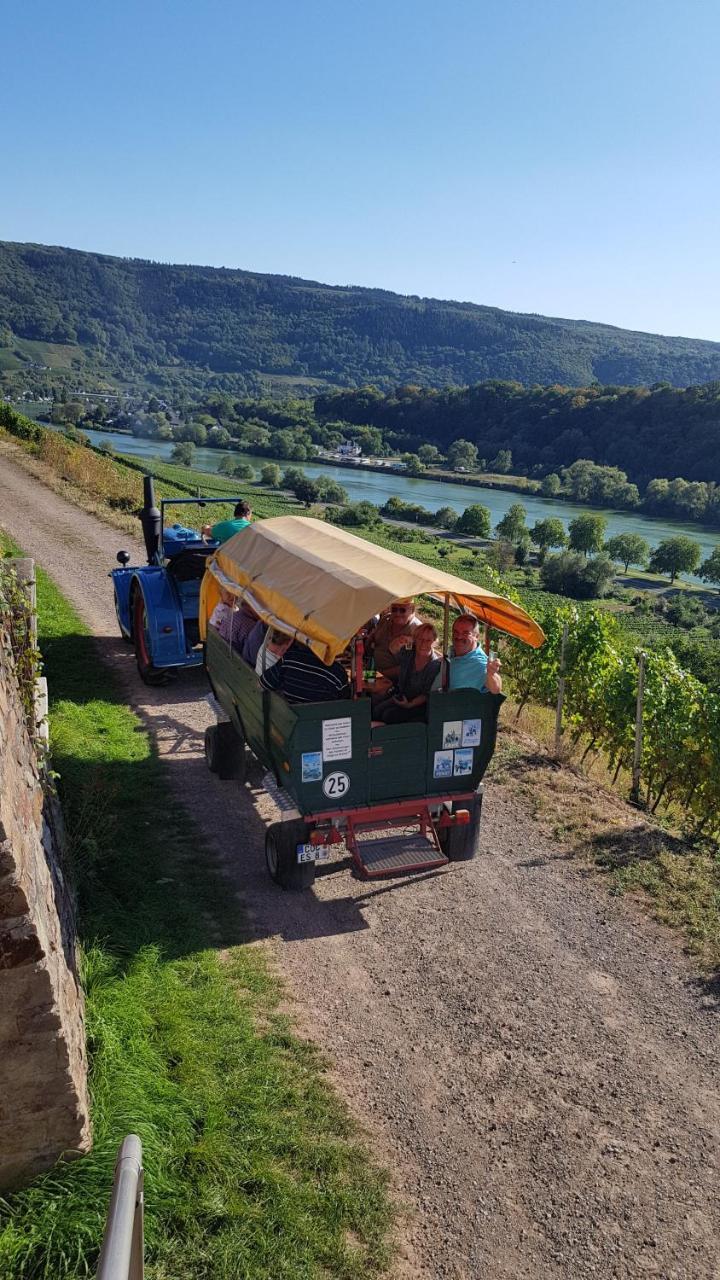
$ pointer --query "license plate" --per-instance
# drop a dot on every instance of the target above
(312, 853)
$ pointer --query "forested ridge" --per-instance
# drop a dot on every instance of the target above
(661, 431)
(133, 318)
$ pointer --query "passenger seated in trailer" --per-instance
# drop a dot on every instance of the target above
(468, 665)
(419, 668)
(301, 677)
(273, 648)
(221, 617)
(244, 620)
(394, 632)
(253, 642)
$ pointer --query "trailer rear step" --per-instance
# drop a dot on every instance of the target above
(394, 847)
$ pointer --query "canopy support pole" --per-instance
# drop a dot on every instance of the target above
(446, 636)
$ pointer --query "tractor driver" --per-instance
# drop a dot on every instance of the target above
(225, 529)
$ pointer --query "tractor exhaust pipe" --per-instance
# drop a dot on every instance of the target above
(151, 520)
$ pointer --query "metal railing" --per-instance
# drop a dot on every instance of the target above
(122, 1253)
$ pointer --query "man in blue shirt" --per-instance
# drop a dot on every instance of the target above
(470, 668)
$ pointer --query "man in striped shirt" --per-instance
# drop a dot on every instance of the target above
(301, 677)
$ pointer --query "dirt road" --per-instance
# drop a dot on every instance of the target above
(536, 1060)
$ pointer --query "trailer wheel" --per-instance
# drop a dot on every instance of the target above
(460, 844)
(148, 672)
(225, 752)
(281, 841)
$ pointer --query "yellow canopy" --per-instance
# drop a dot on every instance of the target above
(322, 584)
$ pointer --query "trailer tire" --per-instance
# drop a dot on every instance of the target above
(225, 752)
(460, 844)
(281, 841)
(148, 672)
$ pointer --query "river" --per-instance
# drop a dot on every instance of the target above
(378, 486)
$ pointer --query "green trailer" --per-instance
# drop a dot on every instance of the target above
(401, 798)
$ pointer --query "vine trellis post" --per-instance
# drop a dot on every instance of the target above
(637, 753)
(561, 688)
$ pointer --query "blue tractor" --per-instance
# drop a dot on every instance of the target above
(157, 603)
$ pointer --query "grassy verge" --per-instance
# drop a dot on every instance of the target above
(252, 1169)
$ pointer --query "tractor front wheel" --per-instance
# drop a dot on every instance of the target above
(281, 842)
(126, 638)
(225, 752)
(148, 672)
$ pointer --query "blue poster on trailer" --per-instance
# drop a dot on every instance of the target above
(463, 762)
(443, 764)
(312, 766)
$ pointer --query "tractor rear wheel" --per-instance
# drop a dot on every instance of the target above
(460, 843)
(281, 842)
(225, 751)
(148, 672)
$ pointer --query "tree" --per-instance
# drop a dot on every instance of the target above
(330, 491)
(226, 466)
(291, 476)
(356, 515)
(570, 574)
(218, 438)
(628, 548)
(307, 491)
(587, 533)
(243, 471)
(710, 568)
(462, 456)
(550, 485)
(512, 527)
(429, 454)
(446, 518)
(475, 521)
(270, 475)
(413, 464)
(184, 452)
(502, 462)
(674, 556)
(548, 533)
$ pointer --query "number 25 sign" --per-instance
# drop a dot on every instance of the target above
(336, 785)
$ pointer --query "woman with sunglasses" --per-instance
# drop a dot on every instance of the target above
(393, 633)
(418, 670)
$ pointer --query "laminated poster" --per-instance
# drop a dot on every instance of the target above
(452, 733)
(443, 764)
(312, 766)
(337, 739)
(471, 732)
(463, 762)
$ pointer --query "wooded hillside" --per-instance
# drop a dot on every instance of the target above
(130, 318)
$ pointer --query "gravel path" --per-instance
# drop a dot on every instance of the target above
(534, 1060)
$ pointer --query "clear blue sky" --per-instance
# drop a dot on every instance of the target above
(555, 156)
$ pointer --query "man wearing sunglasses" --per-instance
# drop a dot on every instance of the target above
(393, 633)
(470, 668)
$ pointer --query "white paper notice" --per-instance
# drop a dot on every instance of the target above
(337, 739)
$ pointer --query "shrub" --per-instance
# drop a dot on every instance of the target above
(569, 574)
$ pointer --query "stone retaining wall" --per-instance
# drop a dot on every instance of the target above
(44, 1109)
